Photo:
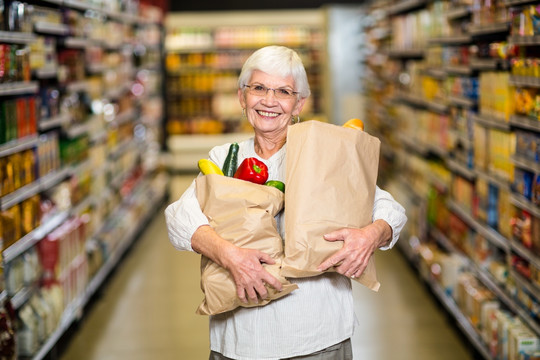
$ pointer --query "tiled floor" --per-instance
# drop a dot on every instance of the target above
(147, 310)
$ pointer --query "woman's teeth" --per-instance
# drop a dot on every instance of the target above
(267, 114)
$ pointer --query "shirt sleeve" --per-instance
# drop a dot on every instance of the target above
(184, 216)
(387, 209)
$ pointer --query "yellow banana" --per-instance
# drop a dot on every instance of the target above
(209, 167)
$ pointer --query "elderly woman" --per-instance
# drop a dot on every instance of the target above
(317, 320)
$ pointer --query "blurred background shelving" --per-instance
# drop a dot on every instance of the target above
(81, 130)
(205, 52)
(453, 86)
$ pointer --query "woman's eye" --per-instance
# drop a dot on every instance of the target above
(258, 88)
(286, 92)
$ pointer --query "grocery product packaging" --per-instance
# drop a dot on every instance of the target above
(331, 180)
(243, 213)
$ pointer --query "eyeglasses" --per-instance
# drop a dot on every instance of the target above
(261, 90)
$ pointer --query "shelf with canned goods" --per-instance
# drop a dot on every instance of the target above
(500, 290)
(489, 233)
(446, 299)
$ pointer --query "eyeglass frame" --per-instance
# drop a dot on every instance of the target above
(294, 93)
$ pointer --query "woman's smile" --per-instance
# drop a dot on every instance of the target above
(267, 114)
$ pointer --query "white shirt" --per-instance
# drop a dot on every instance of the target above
(317, 315)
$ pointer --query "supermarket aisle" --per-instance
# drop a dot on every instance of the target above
(147, 310)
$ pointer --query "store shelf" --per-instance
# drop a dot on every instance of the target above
(19, 145)
(490, 234)
(490, 29)
(405, 6)
(53, 122)
(19, 88)
(458, 12)
(450, 305)
(524, 40)
(462, 126)
(452, 40)
(76, 43)
(491, 284)
(484, 64)
(15, 37)
(464, 70)
(524, 81)
(75, 309)
(462, 321)
(461, 101)
(436, 73)
(51, 28)
(509, 3)
(129, 156)
(406, 53)
(493, 179)
(22, 296)
(33, 188)
(491, 122)
(525, 283)
(49, 72)
(523, 203)
(461, 169)
(414, 100)
(414, 144)
(525, 163)
(525, 253)
(525, 122)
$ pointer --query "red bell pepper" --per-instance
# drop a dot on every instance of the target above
(252, 169)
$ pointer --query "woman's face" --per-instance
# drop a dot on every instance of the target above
(268, 114)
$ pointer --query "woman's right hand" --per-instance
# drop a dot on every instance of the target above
(250, 277)
(244, 265)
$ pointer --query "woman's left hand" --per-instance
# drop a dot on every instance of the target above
(358, 247)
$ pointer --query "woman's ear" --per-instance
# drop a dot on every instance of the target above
(242, 98)
(298, 107)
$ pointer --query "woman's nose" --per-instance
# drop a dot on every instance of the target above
(270, 96)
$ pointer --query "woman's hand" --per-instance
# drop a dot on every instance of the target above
(245, 265)
(358, 247)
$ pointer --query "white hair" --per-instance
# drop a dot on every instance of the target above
(277, 61)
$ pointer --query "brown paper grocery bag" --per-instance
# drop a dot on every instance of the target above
(242, 213)
(331, 179)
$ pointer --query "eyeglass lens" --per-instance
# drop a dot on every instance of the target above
(261, 90)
